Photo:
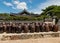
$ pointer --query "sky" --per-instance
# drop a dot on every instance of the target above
(36, 6)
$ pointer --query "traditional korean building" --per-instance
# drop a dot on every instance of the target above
(23, 13)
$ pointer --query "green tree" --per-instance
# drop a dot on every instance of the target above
(51, 11)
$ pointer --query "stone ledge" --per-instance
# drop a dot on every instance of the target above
(28, 35)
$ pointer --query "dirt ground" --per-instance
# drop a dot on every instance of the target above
(39, 40)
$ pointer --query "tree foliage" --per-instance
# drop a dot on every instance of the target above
(53, 10)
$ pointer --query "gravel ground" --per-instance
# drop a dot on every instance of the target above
(39, 40)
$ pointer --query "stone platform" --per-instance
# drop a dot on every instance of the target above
(18, 36)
